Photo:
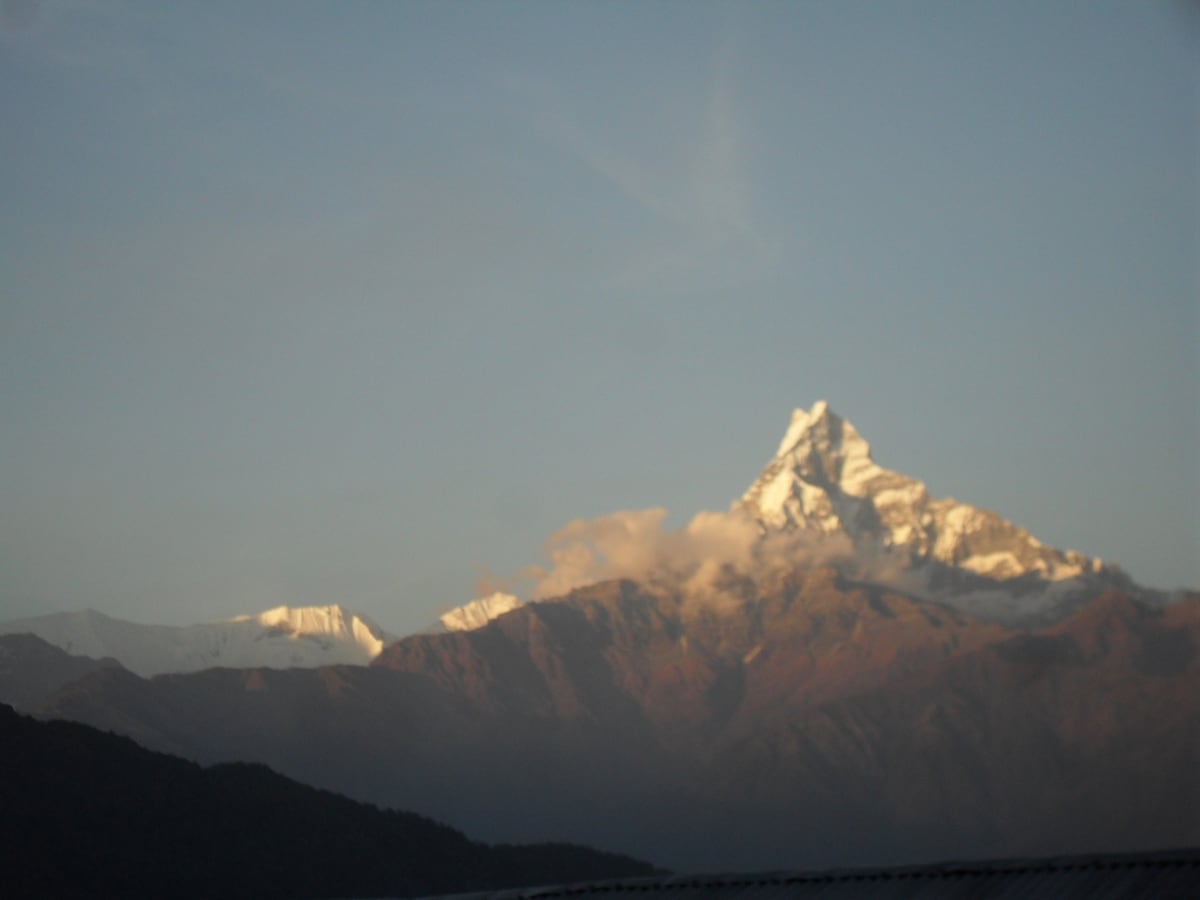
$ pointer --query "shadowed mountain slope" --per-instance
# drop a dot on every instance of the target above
(31, 670)
(818, 722)
(92, 814)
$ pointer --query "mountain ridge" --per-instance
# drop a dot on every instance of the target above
(814, 665)
(824, 480)
(478, 612)
(94, 814)
(281, 637)
(881, 727)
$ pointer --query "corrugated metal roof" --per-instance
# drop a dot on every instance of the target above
(1173, 875)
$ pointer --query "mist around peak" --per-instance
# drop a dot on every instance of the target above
(701, 562)
(823, 500)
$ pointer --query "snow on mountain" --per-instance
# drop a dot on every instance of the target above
(823, 479)
(333, 623)
(279, 638)
(478, 612)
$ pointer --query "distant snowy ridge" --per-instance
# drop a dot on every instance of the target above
(332, 622)
(478, 612)
(823, 479)
(284, 637)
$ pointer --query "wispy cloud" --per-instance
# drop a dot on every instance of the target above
(705, 562)
(702, 195)
(624, 172)
(719, 188)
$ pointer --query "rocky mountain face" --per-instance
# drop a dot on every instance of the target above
(822, 722)
(823, 480)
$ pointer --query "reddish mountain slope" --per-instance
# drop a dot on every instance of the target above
(819, 722)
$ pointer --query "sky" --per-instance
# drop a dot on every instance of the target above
(360, 302)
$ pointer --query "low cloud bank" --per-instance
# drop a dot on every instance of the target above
(701, 561)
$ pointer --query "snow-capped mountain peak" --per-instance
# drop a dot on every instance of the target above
(824, 479)
(478, 612)
(280, 638)
(334, 621)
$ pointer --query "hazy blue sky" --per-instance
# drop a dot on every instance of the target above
(314, 302)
